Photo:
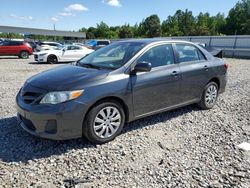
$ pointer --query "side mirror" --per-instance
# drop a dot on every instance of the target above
(142, 67)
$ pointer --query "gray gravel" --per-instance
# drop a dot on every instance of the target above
(182, 148)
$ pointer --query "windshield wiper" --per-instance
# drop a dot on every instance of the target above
(88, 65)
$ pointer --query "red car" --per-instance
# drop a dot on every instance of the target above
(15, 48)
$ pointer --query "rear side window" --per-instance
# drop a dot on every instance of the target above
(159, 56)
(102, 42)
(188, 53)
(52, 44)
(15, 43)
(73, 48)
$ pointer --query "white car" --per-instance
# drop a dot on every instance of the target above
(48, 46)
(66, 54)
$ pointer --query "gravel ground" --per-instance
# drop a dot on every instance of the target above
(181, 148)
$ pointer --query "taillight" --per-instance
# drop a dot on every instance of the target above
(27, 44)
(226, 66)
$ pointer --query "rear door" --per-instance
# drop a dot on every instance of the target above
(76, 53)
(5, 48)
(195, 71)
(160, 88)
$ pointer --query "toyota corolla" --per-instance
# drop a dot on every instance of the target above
(119, 83)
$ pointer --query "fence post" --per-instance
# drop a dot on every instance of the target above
(235, 42)
(210, 41)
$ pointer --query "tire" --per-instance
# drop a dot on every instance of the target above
(97, 128)
(52, 59)
(209, 96)
(24, 55)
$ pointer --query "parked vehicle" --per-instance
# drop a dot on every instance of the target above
(33, 45)
(116, 84)
(78, 44)
(15, 48)
(96, 44)
(62, 54)
(48, 46)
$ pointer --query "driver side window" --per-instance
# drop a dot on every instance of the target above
(159, 56)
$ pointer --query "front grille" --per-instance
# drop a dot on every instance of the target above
(31, 97)
(28, 123)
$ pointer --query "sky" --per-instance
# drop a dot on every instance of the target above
(72, 15)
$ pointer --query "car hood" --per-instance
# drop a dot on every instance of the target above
(66, 78)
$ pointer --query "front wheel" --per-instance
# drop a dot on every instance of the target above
(24, 55)
(52, 59)
(209, 96)
(104, 122)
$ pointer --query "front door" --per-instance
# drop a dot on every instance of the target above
(160, 88)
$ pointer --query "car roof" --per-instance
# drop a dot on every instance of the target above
(154, 40)
(48, 42)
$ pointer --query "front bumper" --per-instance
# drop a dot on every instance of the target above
(39, 58)
(57, 122)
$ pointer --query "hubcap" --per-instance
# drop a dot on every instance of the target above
(52, 60)
(24, 54)
(211, 95)
(107, 122)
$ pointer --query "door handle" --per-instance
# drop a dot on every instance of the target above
(175, 73)
(206, 68)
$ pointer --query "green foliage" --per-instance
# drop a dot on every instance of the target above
(11, 35)
(182, 23)
(151, 27)
(126, 32)
(238, 20)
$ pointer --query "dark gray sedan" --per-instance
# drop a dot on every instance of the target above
(117, 84)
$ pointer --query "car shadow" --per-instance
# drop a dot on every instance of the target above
(19, 146)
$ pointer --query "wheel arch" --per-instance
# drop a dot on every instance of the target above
(216, 80)
(49, 55)
(24, 50)
(112, 98)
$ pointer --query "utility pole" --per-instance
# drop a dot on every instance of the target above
(54, 25)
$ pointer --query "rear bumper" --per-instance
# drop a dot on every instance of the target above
(56, 122)
(223, 83)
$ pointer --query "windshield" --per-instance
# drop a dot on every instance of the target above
(113, 56)
(59, 47)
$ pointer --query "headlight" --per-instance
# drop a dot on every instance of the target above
(42, 54)
(61, 96)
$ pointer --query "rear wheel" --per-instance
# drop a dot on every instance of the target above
(24, 55)
(104, 122)
(209, 96)
(52, 59)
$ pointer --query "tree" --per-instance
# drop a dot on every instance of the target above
(238, 20)
(202, 25)
(126, 32)
(186, 22)
(170, 27)
(102, 31)
(152, 26)
(91, 33)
